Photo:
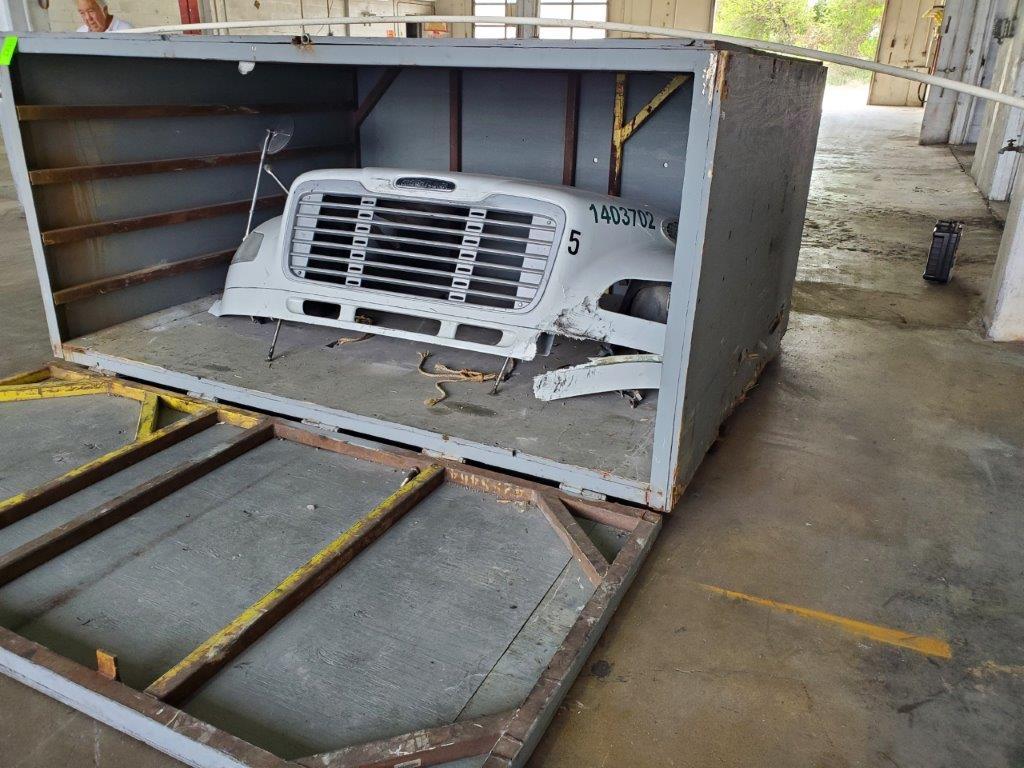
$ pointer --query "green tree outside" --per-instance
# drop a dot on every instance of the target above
(848, 27)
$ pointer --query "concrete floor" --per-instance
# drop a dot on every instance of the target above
(875, 474)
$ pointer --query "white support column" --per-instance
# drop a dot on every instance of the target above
(1004, 305)
(957, 22)
(994, 172)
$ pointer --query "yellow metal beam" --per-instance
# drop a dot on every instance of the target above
(185, 678)
(149, 415)
(20, 392)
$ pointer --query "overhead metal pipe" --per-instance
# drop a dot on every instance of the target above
(608, 26)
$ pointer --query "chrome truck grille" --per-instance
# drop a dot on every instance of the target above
(485, 256)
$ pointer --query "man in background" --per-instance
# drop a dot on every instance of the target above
(97, 18)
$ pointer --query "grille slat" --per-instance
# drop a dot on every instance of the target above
(416, 256)
(495, 257)
(408, 268)
(409, 240)
(425, 228)
(399, 281)
(435, 215)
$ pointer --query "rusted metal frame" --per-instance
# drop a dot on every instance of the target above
(618, 516)
(455, 120)
(78, 173)
(102, 228)
(140, 276)
(174, 732)
(430, 746)
(375, 95)
(572, 125)
(36, 112)
(184, 679)
(569, 531)
(533, 716)
(24, 504)
(47, 546)
(623, 129)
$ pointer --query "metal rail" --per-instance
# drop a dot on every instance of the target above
(608, 26)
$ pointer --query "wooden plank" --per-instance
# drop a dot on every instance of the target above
(430, 746)
(106, 665)
(647, 110)
(375, 95)
(622, 129)
(100, 229)
(530, 720)
(617, 516)
(44, 548)
(161, 726)
(455, 120)
(45, 176)
(184, 679)
(16, 393)
(572, 124)
(575, 538)
(618, 117)
(24, 504)
(140, 276)
(26, 377)
(35, 112)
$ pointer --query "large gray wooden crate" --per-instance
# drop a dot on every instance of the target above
(731, 150)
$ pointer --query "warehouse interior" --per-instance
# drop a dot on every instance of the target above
(840, 582)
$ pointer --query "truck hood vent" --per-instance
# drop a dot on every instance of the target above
(438, 251)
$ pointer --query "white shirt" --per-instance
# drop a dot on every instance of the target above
(115, 25)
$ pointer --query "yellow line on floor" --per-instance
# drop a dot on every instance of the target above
(930, 646)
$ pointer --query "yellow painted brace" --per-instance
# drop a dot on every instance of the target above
(225, 637)
(929, 646)
(44, 391)
(149, 415)
(622, 129)
(100, 460)
(26, 377)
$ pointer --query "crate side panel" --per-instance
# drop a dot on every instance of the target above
(767, 130)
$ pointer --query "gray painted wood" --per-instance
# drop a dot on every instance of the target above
(402, 638)
(377, 378)
(156, 585)
(43, 439)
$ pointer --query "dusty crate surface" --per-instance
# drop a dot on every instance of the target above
(377, 378)
(450, 617)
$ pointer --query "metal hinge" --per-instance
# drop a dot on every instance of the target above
(320, 425)
(584, 493)
(1003, 28)
(439, 455)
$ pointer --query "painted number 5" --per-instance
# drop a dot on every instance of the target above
(574, 242)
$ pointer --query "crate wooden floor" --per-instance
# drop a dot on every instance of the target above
(452, 614)
(377, 379)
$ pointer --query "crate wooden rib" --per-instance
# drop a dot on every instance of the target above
(159, 715)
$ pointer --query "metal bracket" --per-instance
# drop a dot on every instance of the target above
(445, 456)
(583, 493)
